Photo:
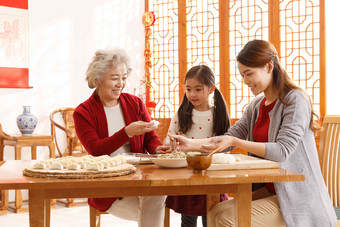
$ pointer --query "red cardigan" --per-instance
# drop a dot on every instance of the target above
(92, 131)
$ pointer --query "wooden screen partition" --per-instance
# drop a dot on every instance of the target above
(212, 32)
(164, 45)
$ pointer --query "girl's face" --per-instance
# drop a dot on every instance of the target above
(112, 85)
(257, 79)
(198, 94)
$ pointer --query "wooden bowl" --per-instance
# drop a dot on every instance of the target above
(199, 162)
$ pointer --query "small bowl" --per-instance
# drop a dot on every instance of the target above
(199, 162)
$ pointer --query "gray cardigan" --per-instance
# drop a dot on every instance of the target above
(292, 144)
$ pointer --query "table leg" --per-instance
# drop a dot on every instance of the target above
(52, 150)
(18, 196)
(34, 152)
(167, 217)
(18, 199)
(17, 208)
(17, 151)
(37, 212)
(243, 205)
(212, 200)
(1, 150)
(48, 212)
(53, 202)
(4, 202)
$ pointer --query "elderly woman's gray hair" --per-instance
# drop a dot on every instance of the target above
(103, 61)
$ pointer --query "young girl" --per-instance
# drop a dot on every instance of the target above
(196, 119)
(277, 126)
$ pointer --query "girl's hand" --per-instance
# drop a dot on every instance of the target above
(163, 149)
(221, 143)
(139, 128)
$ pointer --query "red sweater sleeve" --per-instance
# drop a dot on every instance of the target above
(92, 129)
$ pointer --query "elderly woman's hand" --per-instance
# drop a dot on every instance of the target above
(139, 128)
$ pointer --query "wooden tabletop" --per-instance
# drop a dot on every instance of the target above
(151, 175)
(147, 181)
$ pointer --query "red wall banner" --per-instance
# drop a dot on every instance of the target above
(21, 4)
(14, 70)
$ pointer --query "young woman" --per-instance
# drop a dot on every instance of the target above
(196, 118)
(279, 126)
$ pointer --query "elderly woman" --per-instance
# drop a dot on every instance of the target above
(111, 122)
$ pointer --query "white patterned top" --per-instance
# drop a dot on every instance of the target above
(201, 128)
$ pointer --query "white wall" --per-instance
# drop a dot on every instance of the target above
(63, 36)
(332, 56)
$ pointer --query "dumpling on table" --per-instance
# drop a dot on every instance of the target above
(222, 158)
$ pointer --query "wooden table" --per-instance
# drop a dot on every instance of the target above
(147, 181)
(18, 142)
(31, 141)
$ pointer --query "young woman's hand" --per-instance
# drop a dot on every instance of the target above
(139, 128)
(220, 143)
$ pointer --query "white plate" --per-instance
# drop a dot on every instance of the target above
(137, 160)
(132, 160)
(170, 162)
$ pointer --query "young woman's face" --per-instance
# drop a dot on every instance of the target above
(112, 85)
(257, 79)
(198, 94)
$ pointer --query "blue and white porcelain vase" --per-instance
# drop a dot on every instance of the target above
(26, 121)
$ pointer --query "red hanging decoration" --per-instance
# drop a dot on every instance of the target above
(148, 20)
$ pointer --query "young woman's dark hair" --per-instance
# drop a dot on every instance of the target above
(258, 53)
(221, 116)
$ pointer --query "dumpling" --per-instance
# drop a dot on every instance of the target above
(93, 166)
(121, 158)
(74, 166)
(222, 158)
(39, 165)
(56, 166)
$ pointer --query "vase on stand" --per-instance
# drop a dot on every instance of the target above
(27, 121)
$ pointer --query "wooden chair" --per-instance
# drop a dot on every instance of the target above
(63, 120)
(74, 147)
(3, 193)
(162, 130)
(329, 157)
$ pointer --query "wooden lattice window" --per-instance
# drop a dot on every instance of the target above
(188, 33)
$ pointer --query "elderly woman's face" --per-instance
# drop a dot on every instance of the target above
(112, 85)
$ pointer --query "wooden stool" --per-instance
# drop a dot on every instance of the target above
(18, 141)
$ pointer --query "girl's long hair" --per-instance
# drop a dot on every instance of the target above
(257, 53)
(221, 121)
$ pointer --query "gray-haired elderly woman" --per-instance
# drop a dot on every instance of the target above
(111, 122)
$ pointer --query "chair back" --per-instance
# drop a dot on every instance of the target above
(329, 156)
(4, 135)
(73, 147)
(163, 127)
